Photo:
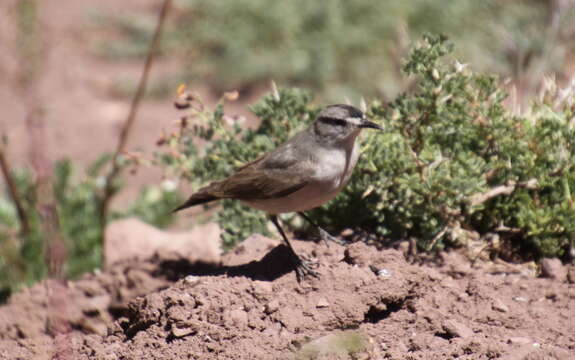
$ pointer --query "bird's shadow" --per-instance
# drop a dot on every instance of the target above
(276, 263)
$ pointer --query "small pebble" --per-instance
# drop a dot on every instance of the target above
(553, 268)
(346, 232)
(498, 305)
(262, 287)
(272, 306)
(322, 303)
(239, 317)
(191, 279)
(182, 331)
(571, 274)
(519, 340)
(457, 329)
(384, 273)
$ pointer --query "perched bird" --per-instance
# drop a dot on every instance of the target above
(305, 172)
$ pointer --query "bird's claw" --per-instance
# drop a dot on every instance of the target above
(327, 237)
(305, 268)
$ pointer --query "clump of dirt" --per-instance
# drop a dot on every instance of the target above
(239, 317)
(34, 317)
(366, 304)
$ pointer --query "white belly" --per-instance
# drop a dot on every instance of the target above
(309, 197)
(331, 174)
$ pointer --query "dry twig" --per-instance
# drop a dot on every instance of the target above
(116, 169)
(14, 194)
(477, 199)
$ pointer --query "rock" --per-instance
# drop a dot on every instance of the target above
(89, 287)
(404, 247)
(192, 279)
(94, 325)
(346, 232)
(181, 330)
(96, 303)
(180, 299)
(498, 305)
(382, 273)
(457, 329)
(357, 254)
(571, 274)
(272, 306)
(239, 318)
(273, 330)
(553, 268)
(519, 340)
(401, 347)
(338, 344)
(262, 288)
(458, 264)
(131, 238)
(322, 303)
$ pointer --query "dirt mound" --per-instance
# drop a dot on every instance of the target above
(34, 320)
(366, 304)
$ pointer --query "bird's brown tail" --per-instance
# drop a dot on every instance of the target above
(196, 199)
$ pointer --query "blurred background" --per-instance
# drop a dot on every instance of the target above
(69, 69)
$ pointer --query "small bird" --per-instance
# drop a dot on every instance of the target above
(305, 172)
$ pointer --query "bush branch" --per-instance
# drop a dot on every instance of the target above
(477, 199)
(14, 194)
(116, 169)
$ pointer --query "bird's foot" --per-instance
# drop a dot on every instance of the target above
(304, 268)
(327, 237)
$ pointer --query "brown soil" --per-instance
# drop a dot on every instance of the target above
(367, 304)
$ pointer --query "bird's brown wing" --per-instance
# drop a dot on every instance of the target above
(249, 184)
(258, 184)
(251, 163)
(273, 175)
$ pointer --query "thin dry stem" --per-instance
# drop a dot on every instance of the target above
(116, 169)
(477, 199)
(30, 55)
(14, 194)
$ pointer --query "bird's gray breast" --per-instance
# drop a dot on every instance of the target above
(332, 171)
(327, 170)
(334, 166)
(329, 165)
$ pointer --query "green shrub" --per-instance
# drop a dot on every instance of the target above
(452, 146)
(452, 164)
(345, 48)
(77, 198)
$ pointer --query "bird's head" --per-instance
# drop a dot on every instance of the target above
(340, 123)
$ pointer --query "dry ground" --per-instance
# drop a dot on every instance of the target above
(367, 304)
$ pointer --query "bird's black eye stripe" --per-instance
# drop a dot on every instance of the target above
(333, 121)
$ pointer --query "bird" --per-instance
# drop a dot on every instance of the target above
(304, 172)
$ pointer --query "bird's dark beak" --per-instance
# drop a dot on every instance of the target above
(370, 125)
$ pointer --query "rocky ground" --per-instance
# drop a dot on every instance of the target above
(186, 303)
(367, 304)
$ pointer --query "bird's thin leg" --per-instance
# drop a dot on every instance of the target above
(324, 235)
(303, 267)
